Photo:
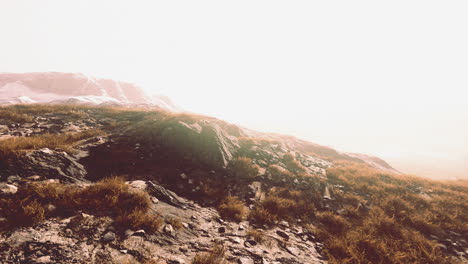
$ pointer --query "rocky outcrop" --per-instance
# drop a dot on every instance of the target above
(203, 141)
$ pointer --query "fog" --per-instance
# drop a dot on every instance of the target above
(387, 79)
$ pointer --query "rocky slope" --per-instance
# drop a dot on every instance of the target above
(74, 88)
(183, 162)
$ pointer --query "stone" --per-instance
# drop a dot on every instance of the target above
(34, 178)
(6, 188)
(293, 250)
(282, 234)
(108, 237)
(252, 242)
(140, 185)
(129, 232)
(43, 259)
(140, 232)
(241, 228)
(13, 178)
(183, 249)
(154, 200)
(175, 260)
(235, 240)
(183, 176)
(51, 208)
(168, 229)
(284, 223)
(221, 229)
(245, 261)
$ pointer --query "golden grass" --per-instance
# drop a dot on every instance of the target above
(402, 212)
(232, 208)
(284, 203)
(10, 147)
(109, 197)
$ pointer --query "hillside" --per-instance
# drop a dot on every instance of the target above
(89, 184)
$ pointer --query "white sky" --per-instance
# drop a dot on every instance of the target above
(386, 78)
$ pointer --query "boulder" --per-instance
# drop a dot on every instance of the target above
(6, 188)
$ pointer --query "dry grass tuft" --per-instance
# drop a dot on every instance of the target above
(214, 256)
(292, 164)
(242, 168)
(257, 234)
(111, 197)
(175, 223)
(11, 147)
(232, 208)
(284, 203)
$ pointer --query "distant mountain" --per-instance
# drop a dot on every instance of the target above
(74, 88)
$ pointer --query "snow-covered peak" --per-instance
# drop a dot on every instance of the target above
(75, 88)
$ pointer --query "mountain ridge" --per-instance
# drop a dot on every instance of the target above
(78, 88)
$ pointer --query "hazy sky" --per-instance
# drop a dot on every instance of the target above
(380, 77)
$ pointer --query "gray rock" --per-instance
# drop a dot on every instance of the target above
(293, 250)
(140, 185)
(51, 208)
(108, 237)
(168, 229)
(140, 232)
(13, 178)
(235, 240)
(43, 259)
(34, 178)
(284, 223)
(282, 234)
(6, 188)
(129, 232)
(175, 260)
(245, 261)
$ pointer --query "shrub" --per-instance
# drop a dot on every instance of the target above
(233, 208)
(242, 168)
